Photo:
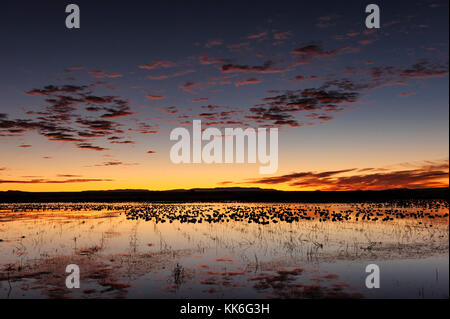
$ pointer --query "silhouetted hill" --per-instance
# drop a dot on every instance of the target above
(223, 194)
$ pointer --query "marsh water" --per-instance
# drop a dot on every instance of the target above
(225, 250)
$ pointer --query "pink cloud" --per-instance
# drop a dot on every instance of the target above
(155, 97)
(200, 99)
(169, 109)
(207, 60)
(188, 86)
(101, 74)
(282, 35)
(257, 35)
(157, 64)
(266, 68)
(406, 94)
(183, 72)
(248, 81)
(157, 77)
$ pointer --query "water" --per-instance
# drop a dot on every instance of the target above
(224, 250)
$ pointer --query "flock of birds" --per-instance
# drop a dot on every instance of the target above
(265, 214)
(262, 214)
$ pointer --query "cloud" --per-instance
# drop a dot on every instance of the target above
(46, 128)
(46, 181)
(267, 67)
(353, 34)
(119, 108)
(257, 35)
(157, 64)
(406, 94)
(53, 89)
(230, 116)
(188, 86)
(423, 176)
(279, 110)
(182, 73)
(144, 128)
(207, 60)
(208, 116)
(158, 77)
(425, 69)
(168, 76)
(89, 146)
(115, 163)
(311, 51)
(110, 164)
(123, 142)
(296, 176)
(319, 117)
(169, 109)
(282, 35)
(304, 78)
(103, 126)
(101, 74)
(155, 97)
(68, 175)
(248, 81)
(200, 99)
(63, 116)
(380, 76)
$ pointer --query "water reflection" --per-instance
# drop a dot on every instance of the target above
(226, 250)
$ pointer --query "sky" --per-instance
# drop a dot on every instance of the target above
(92, 108)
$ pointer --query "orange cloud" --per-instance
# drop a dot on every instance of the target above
(425, 176)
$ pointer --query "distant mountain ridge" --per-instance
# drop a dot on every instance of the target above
(219, 194)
